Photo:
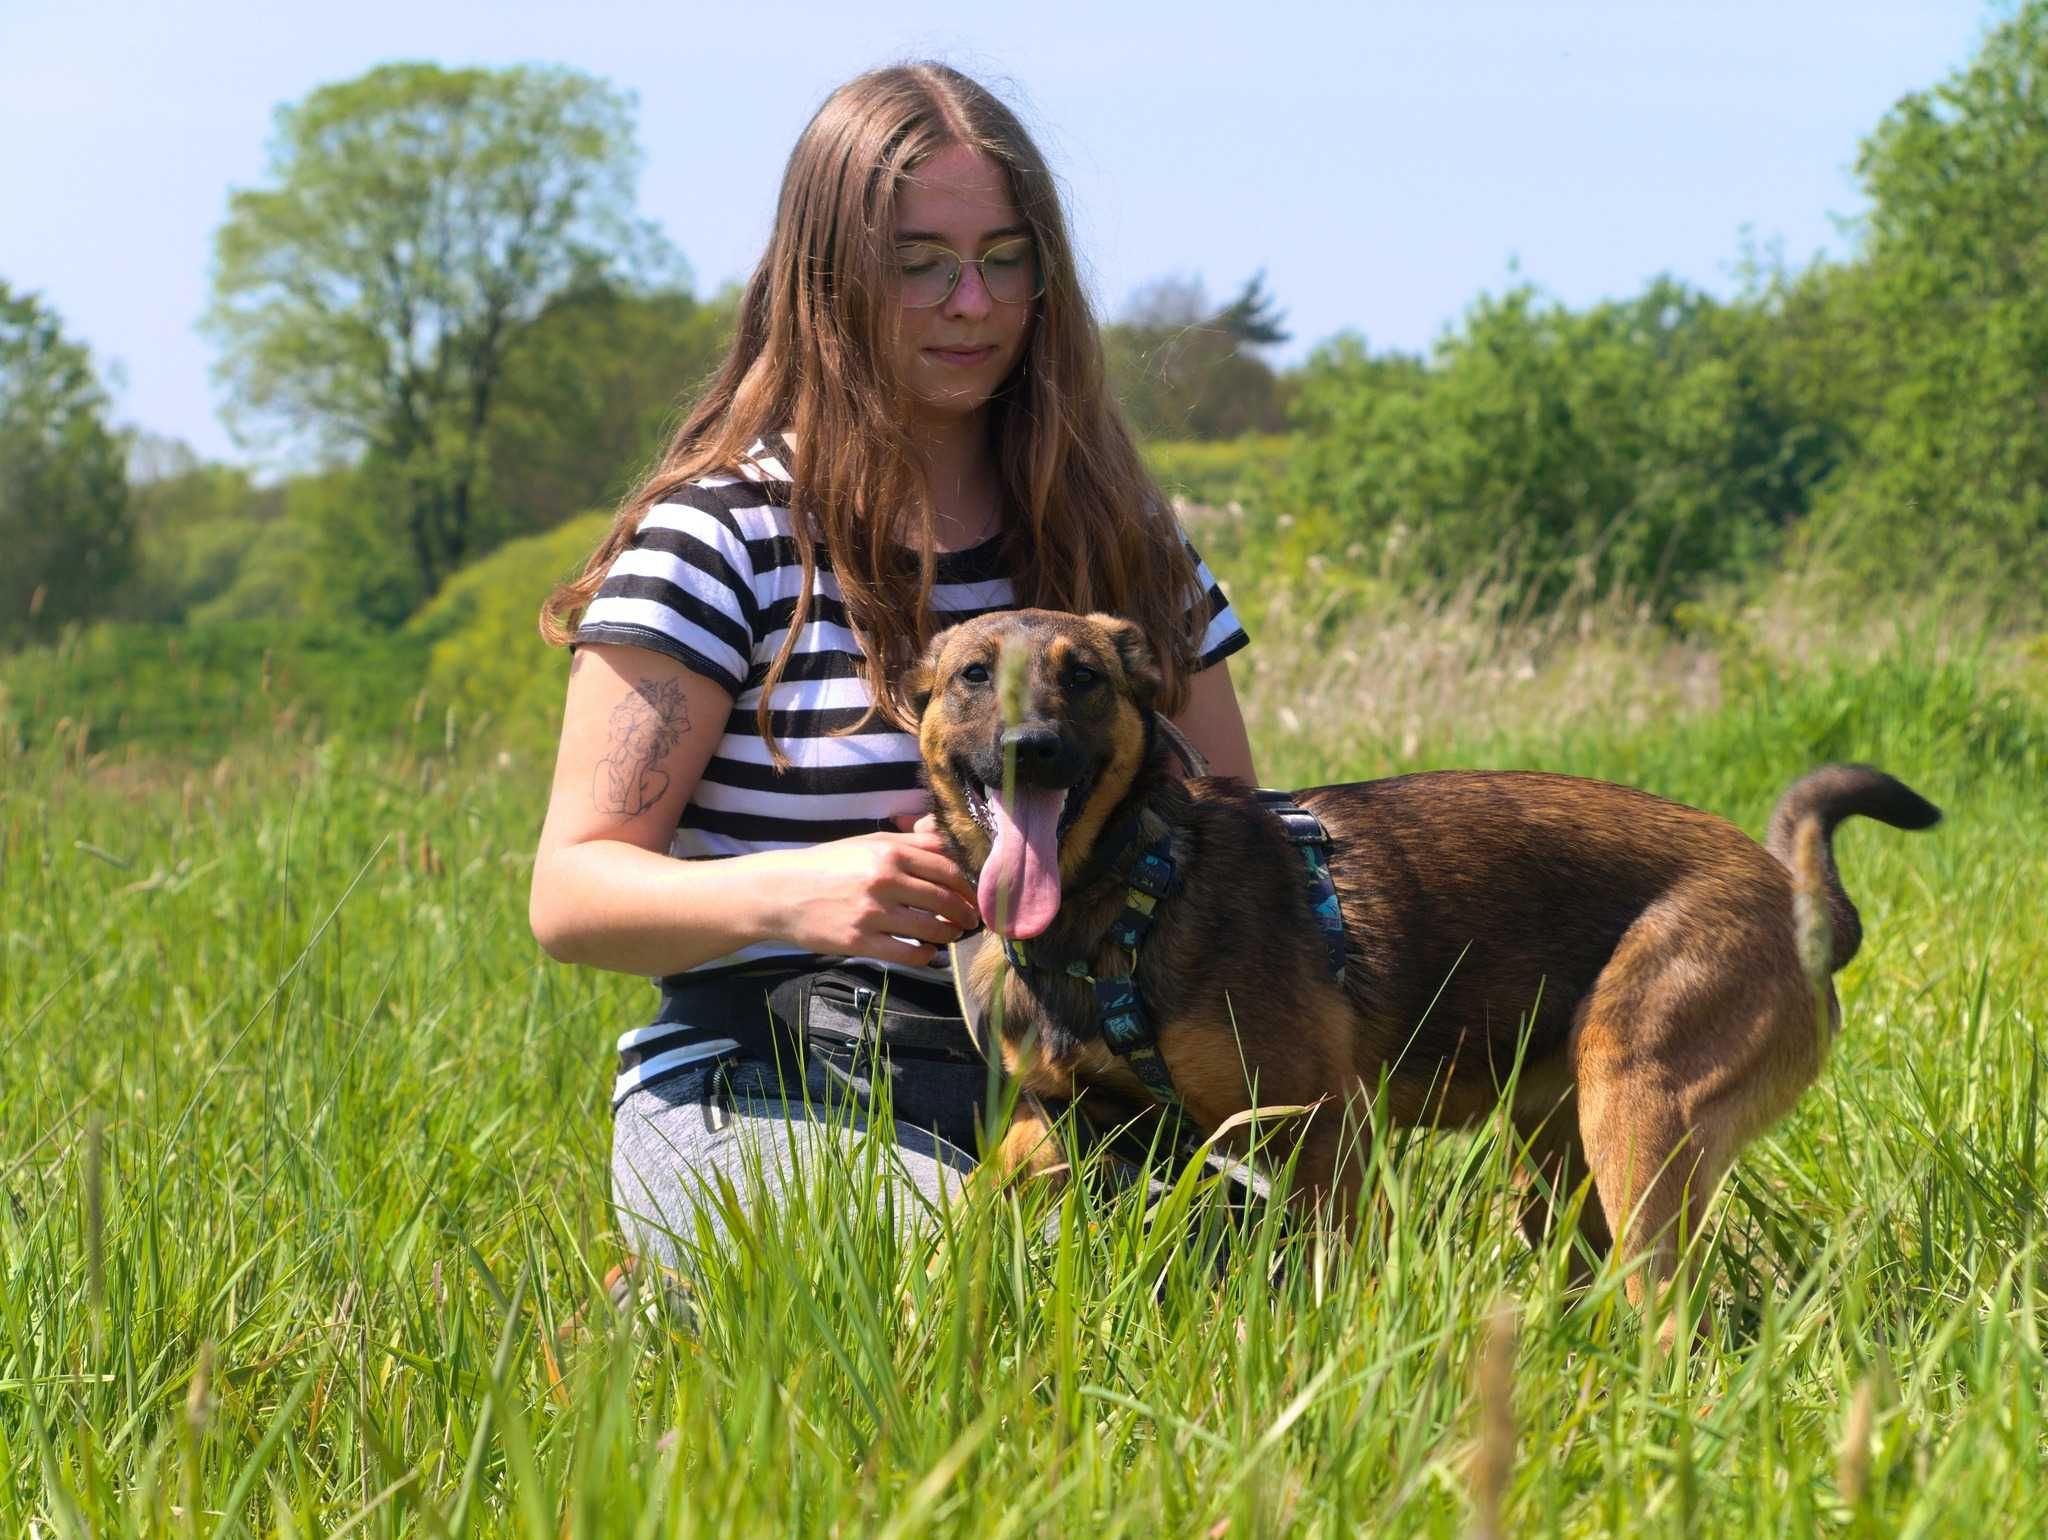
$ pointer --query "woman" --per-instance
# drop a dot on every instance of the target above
(911, 429)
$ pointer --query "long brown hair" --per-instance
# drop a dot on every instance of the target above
(1084, 525)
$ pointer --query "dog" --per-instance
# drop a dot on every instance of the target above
(1631, 966)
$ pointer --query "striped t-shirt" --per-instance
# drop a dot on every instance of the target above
(710, 579)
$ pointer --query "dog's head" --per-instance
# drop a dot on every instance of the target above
(1084, 686)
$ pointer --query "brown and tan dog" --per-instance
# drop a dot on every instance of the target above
(1642, 958)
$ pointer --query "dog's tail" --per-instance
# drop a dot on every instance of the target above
(1802, 834)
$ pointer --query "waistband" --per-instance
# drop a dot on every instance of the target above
(769, 1013)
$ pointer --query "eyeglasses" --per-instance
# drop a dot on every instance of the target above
(927, 273)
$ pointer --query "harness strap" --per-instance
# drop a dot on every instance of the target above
(1120, 1013)
(1127, 1029)
(1308, 835)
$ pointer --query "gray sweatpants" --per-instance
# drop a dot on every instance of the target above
(695, 1152)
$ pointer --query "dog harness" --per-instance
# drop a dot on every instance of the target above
(1147, 868)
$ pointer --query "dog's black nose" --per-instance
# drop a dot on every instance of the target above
(1044, 757)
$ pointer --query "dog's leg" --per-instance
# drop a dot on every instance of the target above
(1697, 1036)
(1330, 1163)
(1546, 1120)
(1027, 1148)
(1650, 1170)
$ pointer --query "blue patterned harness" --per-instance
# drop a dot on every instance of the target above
(1127, 1028)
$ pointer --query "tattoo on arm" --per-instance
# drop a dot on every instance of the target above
(644, 727)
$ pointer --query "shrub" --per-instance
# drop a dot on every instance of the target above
(1216, 473)
(1641, 446)
(485, 654)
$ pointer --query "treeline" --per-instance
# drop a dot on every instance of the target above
(1882, 420)
(442, 299)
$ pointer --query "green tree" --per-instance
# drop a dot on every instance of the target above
(592, 389)
(64, 519)
(414, 222)
(1186, 370)
(1944, 333)
(195, 525)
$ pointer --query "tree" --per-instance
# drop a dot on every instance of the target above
(64, 520)
(1183, 369)
(1946, 333)
(414, 222)
(592, 390)
(196, 524)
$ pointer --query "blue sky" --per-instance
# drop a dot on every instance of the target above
(1383, 162)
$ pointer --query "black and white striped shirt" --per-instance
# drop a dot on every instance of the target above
(710, 579)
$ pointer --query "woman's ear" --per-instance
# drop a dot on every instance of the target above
(1135, 653)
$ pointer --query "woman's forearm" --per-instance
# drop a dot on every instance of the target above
(609, 904)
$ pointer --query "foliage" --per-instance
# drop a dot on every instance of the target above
(1214, 473)
(486, 656)
(64, 519)
(195, 690)
(1642, 445)
(195, 525)
(1950, 341)
(368, 297)
(1183, 370)
(591, 391)
(305, 1168)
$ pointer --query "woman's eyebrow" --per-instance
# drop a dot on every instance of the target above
(987, 235)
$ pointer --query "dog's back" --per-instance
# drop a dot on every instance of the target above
(1479, 904)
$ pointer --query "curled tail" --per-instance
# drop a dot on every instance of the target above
(1802, 830)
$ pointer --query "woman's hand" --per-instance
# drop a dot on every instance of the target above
(894, 896)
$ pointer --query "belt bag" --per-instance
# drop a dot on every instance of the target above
(850, 1030)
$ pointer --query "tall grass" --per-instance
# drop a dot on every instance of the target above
(304, 1164)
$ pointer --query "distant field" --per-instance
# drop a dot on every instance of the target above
(303, 1149)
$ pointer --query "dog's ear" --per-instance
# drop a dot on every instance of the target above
(923, 675)
(1135, 653)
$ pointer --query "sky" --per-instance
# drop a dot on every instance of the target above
(1383, 162)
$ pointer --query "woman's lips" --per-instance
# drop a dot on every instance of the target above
(963, 358)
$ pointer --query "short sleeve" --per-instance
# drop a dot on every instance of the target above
(1225, 633)
(684, 587)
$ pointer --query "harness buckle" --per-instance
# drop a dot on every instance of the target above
(1124, 1027)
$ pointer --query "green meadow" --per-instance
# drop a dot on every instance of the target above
(303, 1164)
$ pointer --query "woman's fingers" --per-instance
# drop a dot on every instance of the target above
(946, 902)
(910, 954)
(936, 867)
(917, 924)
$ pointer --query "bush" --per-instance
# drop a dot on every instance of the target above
(1644, 447)
(1216, 473)
(485, 654)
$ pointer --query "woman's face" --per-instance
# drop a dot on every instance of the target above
(954, 355)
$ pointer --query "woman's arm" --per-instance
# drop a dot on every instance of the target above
(1214, 724)
(637, 730)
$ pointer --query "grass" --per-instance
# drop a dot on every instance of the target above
(304, 1159)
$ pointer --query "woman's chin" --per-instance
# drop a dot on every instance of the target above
(953, 404)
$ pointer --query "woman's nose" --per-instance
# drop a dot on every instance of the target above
(970, 296)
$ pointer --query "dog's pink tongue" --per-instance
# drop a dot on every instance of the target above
(1020, 882)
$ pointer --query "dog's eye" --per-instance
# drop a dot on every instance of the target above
(975, 673)
(1080, 676)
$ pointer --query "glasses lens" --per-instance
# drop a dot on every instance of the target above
(1011, 272)
(925, 274)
